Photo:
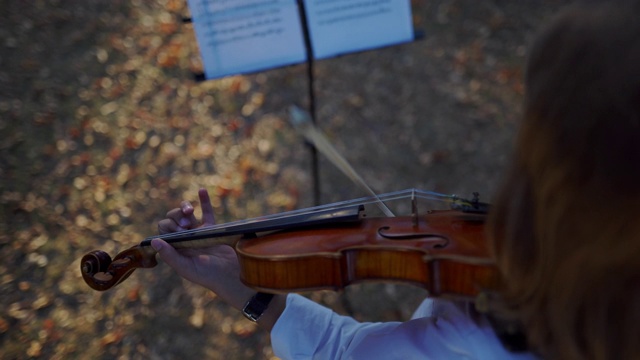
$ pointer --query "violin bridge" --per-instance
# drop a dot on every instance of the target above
(414, 209)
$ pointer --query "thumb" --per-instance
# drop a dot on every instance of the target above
(167, 253)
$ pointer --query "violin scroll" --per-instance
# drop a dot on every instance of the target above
(101, 273)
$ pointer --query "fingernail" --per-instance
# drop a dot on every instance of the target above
(156, 244)
(184, 223)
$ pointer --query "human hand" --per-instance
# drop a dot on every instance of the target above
(183, 218)
(215, 267)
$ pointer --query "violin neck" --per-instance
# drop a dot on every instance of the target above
(187, 242)
(230, 234)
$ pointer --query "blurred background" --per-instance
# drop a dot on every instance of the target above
(104, 129)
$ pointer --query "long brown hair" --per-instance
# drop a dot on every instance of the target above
(566, 224)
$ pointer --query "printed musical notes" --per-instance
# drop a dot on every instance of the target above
(242, 36)
(343, 26)
(239, 36)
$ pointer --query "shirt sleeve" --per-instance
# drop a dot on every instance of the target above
(307, 330)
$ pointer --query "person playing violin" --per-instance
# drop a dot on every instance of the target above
(564, 227)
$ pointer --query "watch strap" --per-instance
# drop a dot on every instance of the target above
(256, 306)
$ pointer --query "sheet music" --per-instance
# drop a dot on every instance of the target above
(342, 26)
(241, 36)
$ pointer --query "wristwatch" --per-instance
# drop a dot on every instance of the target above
(255, 307)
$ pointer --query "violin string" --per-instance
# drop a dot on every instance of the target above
(302, 122)
(392, 196)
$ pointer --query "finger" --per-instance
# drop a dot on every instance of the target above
(188, 220)
(208, 217)
(174, 222)
(167, 226)
(183, 216)
(175, 214)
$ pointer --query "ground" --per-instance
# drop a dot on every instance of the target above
(105, 129)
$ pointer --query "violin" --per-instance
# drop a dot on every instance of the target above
(331, 246)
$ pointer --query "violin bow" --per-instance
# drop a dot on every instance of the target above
(301, 121)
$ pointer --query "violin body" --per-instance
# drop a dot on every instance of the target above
(330, 247)
(444, 252)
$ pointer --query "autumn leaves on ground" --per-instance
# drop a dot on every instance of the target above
(104, 130)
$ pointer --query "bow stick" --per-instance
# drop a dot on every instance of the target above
(303, 124)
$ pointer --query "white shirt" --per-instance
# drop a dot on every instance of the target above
(439, 329)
